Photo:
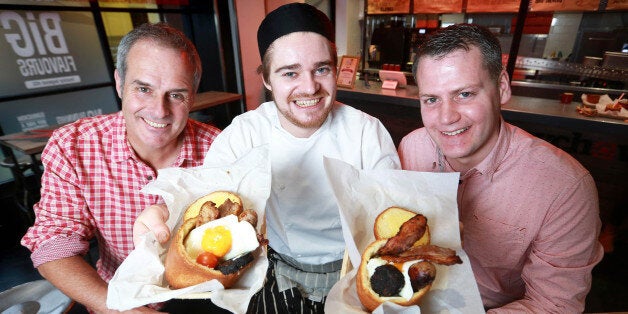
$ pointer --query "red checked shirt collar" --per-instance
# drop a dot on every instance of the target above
(121, 148)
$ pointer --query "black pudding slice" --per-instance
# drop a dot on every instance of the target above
(231, 266)
(387, 281)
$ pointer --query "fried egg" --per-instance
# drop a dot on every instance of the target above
(242, 236)
(406, 292)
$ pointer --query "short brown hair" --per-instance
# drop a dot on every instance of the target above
(463, 37)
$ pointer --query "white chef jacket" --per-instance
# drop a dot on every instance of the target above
(302, 217)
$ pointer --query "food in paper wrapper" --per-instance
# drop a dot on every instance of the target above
(398, 267)
(603, 105)
(217, 240)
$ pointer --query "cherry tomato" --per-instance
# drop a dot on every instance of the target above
(207, 259)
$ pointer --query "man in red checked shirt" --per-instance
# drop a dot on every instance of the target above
(95, 168)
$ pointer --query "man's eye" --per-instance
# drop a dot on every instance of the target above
(323, 71)
(177, 96)
(428, 101)
(465, 94)
(143, 89)
(290, 74)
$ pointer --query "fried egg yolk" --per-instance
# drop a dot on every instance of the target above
(217, 241)
(225, 237)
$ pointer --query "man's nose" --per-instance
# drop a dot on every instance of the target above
(449, 112)
(160, 106)
(309, 84)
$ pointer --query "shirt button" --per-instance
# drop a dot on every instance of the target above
(149, 178)
(282, 187)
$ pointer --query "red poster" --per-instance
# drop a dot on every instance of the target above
(443, 6)
(388, 7)
(492, 6)
(564, 5)
(617, 5)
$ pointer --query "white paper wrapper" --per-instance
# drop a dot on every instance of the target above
(600, 106)
(139, 280)
(363, 194)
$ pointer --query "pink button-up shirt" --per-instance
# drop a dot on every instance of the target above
(91, 188)
(531, 221)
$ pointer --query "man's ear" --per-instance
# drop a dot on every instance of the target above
(118, 80)
(268, 86)
(504, 88)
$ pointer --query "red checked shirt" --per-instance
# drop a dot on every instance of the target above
(91, 187)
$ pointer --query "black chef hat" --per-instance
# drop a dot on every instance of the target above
(290, 18)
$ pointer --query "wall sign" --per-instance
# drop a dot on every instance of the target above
(493, 6)
(443, 6)
(347, 71)
(564, 5)
(41, 51)
(388, 6)
(617, 5)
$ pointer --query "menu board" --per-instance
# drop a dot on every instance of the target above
(564, 5)
(43, 51)
(617, 5)
(388, 7)
(443, 6)
(493, 6)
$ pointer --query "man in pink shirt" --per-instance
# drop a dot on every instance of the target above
(96, 167)
(529, 211)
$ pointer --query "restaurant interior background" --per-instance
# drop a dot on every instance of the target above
(550, 47)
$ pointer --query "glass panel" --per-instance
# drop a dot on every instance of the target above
(43, 51)
(579, 52)
(40, 112)
(501, 24)
(143, 4)
(5, 173)
(71, 3)
(118, 24)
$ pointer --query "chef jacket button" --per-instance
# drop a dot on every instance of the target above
(282, 187)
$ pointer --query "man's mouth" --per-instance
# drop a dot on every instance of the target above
(155, 124)
(456, 132)
(307, 103)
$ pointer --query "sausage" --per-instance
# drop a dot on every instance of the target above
(421, 274)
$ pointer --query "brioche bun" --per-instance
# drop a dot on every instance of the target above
(389, 221)
(387, 225)
(181, 270)
(369, 298)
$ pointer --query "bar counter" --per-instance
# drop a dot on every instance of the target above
(403, 103)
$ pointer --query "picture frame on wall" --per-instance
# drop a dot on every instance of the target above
(347, 71)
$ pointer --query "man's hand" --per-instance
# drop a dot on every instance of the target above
(153, 218)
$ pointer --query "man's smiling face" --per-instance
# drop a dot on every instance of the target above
(302, 80)
(460, 105)
(157, 95)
